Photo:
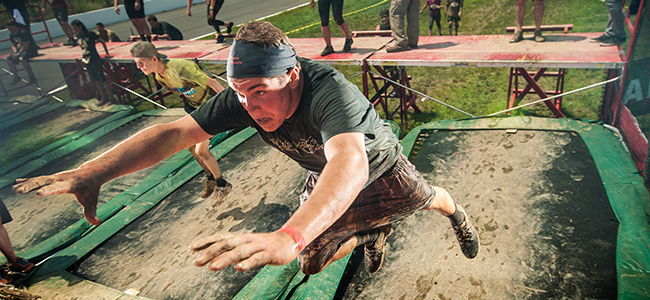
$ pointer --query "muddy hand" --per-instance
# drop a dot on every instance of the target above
(246, 251)
(85, 191)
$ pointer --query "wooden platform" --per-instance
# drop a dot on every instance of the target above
(571, 50)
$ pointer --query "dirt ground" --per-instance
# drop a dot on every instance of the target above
(152, 255)
(537, 202)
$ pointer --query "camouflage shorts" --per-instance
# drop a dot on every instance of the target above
(397, 194)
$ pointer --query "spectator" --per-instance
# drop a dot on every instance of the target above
(615, 31)
(453, 11)
(384, 15)
(538, 13)
(399, 10)
(60, 9)
(23, 48)
(106, 34)
(87, 40)
(337, 12)
(213, 9)
(164, 30)
(434, 13)
(135, 11)
(14, 262)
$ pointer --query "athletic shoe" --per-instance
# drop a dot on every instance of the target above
(611, 41)
(229, 28)
(413, 46)
(20, 265)
(517, 37)
(220, 193)
(467, 236)
(208, 188)
(70, 42)
(599, 39)
(374, 252)
(31, 80)
(16, 79)
(4, 277)
(220, 38)
(327, 51)
(396, 48)
(348, 45)
(538, 36)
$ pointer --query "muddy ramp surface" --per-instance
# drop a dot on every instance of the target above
(535, 197)
(151, 254)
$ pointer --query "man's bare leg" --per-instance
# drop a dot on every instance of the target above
(539, 15)
(520, 12)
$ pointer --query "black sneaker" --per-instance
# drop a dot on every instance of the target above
(229, 27)
(70, 42)
(599, 39)
(220, 38)
(374, 252)
(413, 46)
(611, 41)
(327, 51)
(348, 45)
(31, 80)
(467, 236)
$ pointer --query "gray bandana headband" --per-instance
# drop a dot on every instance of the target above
(248, 59)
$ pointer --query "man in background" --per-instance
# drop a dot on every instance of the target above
(23, 48)
(163, 30)
(106, 34)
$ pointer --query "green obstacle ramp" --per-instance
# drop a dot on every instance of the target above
(558, 204)
(52, 277)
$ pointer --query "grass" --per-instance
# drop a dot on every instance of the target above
(478, 91)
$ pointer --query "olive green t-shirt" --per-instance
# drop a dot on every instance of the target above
(185, 77)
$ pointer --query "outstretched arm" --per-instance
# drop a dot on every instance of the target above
(331, 197)
(138, 152)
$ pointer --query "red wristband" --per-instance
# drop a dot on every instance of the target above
(295, 234)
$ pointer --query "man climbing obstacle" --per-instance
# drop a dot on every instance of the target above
(185, 78)
(359, 183)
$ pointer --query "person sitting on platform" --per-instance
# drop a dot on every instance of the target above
(94, 63)
(358, 184)
(538, 13)
(163, 30)
(106, 34)
(454, 11)
(337, 12)
(14, 263)
(187, 79)
(384, 15)
(60, 9)
(23, 48)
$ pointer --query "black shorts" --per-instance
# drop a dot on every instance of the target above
(25, 56)
(451, 19)
(61, 14)
(4, 213)
(129, 6)
(397, 194)
(95, 71)
(189, 108)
